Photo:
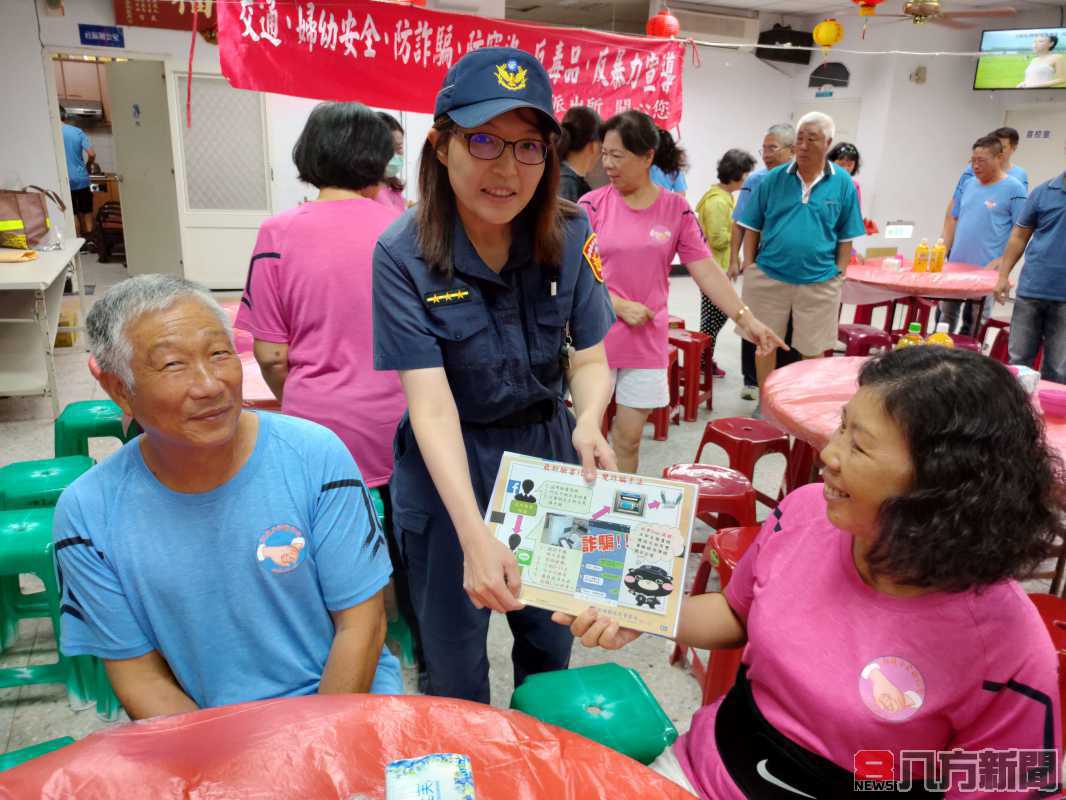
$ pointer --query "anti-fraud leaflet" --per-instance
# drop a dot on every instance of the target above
(619, 544)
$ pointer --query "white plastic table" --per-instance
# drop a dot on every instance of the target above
(31, 294)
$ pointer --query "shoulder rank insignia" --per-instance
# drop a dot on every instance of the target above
(511, 76)
(450, 297)
(591, 251)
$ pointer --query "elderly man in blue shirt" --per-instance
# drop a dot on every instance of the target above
(800, 223)
(223, 555)
(1039, 318)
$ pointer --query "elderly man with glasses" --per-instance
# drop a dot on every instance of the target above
(799, 226)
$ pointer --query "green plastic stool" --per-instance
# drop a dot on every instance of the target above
(398, 630)
(16, 757)
(27, 484)
(26, 546)
(607, 703)
(89, 419)
(30, 484)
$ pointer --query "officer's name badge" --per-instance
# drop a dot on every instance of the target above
(448, 298)
(591, 251)
(511, 76)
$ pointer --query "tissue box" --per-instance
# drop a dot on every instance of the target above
(438, 776)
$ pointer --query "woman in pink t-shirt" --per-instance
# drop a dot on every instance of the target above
(885, 629)
(640, 228)
(307, 300)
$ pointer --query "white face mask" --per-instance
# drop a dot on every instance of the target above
(392, 169)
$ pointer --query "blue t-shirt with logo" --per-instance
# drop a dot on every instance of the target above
(1044, 274)
(967, 175)
(985, 215)
(76, 144)
(234, 586)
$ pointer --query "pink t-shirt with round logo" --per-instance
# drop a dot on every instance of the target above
(839, 667)
(637, 248)
(309, 285)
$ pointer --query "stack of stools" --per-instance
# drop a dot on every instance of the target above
(745, 441)
(607, 703)
(861, 340)
(89, 419)
(398, 630)
(723, 552)
(724, 495)
(697, 373)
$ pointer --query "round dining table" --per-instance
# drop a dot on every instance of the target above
(873, 282)
(805, 399)
(330, 747)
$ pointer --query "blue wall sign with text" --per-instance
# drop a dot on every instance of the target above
(101, 35)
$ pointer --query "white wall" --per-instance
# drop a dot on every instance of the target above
(729, 101)
(915, 138)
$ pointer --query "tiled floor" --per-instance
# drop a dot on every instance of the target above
(32, 714)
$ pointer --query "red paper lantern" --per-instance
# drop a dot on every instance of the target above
(867, 8)
(664, 25)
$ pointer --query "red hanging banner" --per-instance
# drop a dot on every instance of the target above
(395, 56)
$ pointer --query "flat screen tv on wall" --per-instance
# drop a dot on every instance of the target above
(1023, 58)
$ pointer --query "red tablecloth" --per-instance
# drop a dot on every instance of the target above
(332, 746)
(956, 281)
(805, 399)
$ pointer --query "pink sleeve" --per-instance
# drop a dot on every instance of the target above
(1019, 709)
(691, 243)
(740, 590)
(263, 306)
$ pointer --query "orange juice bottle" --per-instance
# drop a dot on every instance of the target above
(912, 337)
(941, 336)
(940, 254)
(921, 256)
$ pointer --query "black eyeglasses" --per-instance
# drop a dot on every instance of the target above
(489, 147)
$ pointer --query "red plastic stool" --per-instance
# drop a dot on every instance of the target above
(860, 340)
(1053, 611)
(724, 494)
(723, 552)
(864, 313)
(676, 323)
(1000, 347)
(918, 310)
(696, 382)
(745, 441)
(801, 467)
(966, 342)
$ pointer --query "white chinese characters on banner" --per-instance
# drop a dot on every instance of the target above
(610, 79)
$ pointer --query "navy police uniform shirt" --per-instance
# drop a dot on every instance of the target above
(499, 337)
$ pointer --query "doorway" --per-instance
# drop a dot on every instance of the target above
(120, 104)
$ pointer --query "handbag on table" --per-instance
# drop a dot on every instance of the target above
(24, 221)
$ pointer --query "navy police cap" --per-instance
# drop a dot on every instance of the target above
(491, 81)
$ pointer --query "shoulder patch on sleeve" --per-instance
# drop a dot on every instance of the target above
(591, 251)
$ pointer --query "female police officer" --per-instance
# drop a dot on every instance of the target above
(476, 291)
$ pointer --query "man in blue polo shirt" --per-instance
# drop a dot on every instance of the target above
(1039, 318)
(989, 206)
(800, 221)
(1008, 140)
(776, 150)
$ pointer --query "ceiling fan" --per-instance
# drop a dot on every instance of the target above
(922, 11)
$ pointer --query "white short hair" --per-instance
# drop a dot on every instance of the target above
(823, 121)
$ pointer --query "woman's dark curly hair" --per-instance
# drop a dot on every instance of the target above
(987, 498)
